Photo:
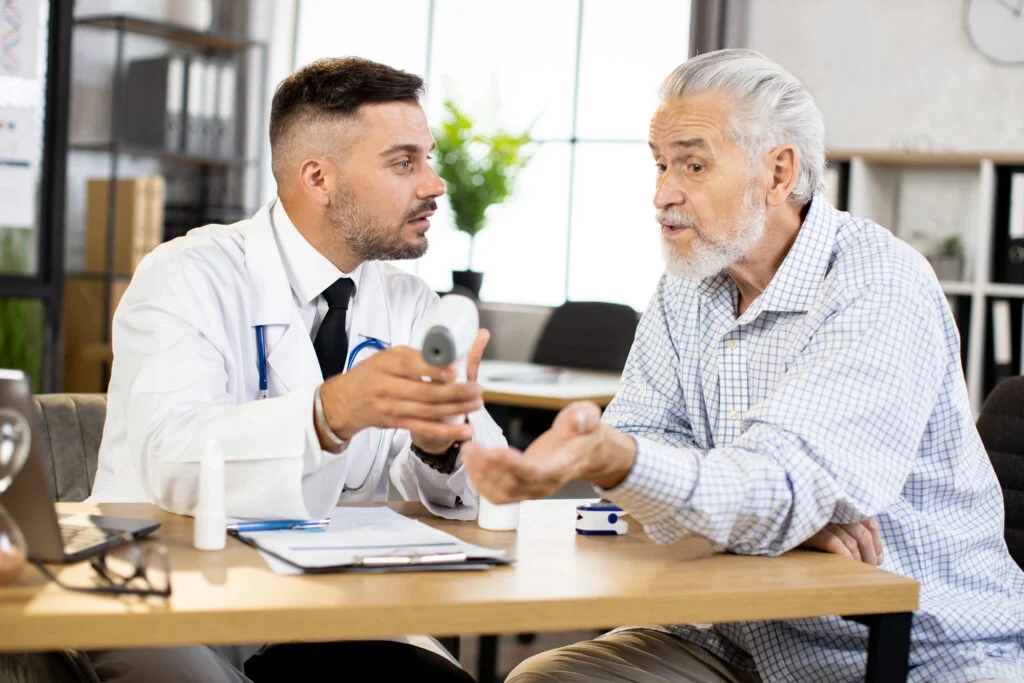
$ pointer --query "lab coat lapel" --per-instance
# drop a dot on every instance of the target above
(291, 360)
(370, 308)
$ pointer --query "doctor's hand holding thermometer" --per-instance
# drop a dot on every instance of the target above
(389, 390)
(452, 339)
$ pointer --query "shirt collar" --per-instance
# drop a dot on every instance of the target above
(309, 271)
(796, 283)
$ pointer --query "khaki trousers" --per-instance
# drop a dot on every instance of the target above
(633, 656)
(637, 656)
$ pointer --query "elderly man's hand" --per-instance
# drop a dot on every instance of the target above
(860, 541)
(576, 446)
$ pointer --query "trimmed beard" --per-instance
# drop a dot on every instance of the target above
(366, 235)
(707, 258)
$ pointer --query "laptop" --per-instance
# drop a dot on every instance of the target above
(51, 536)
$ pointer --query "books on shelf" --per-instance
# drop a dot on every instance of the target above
(1002, 340)
(1015, 230)
(181, 104)
(138, 223)
(1008, 254)
(154, 100)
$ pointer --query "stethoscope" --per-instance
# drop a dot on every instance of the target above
(261, 355)
(367, 343)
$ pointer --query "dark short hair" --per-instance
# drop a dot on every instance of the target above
(337, 86)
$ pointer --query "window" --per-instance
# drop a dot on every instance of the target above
(580, 224)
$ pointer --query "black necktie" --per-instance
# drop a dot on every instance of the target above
(331, 343)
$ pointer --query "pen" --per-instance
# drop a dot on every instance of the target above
(280, 524)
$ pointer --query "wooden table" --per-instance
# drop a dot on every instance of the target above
(528, 385)
(561, 581)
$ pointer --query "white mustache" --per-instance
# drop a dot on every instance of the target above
(674, 217)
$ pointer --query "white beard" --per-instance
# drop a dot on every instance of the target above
(707, 258)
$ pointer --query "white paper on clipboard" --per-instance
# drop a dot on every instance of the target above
(358, 533)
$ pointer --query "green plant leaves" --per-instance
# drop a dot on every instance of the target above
(21, 320)
(480, 170)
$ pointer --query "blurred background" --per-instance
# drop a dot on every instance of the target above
(159, 108)
(123, 124)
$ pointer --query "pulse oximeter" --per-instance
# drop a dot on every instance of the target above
(600, 519)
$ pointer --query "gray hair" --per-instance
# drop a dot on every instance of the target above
(772, 108)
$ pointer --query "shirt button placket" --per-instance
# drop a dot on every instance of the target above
(731, 386)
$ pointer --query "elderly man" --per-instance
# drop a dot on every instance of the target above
(796, 367)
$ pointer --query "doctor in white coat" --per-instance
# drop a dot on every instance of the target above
(222, 335)
(186, 370)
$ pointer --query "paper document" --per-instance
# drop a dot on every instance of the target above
(540, 376)
(368, 537)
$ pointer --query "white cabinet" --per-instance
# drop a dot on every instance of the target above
(925, 198)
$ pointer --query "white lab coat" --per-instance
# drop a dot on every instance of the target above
(185, 371)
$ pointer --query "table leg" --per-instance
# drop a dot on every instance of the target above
(487, 665)
(888, 646)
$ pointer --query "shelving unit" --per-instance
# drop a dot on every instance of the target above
(925, 196)
(196, 175)
(162, 155)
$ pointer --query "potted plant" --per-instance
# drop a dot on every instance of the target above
(480, 170)
(948, 259)
(21, 320)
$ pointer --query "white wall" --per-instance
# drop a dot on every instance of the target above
(894, 74)
(274, 22)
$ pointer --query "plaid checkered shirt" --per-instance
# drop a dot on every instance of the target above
(838, 395)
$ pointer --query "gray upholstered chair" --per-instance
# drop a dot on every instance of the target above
(74, 426)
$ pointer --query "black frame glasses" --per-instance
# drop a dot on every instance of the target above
(143, 578)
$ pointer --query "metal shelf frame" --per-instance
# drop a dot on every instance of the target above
(207, 43)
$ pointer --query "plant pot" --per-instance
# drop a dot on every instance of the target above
(948, 269)
(470, 279)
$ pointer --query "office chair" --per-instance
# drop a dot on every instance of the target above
(1001, 425)
(592, 335)
(464, 291)
(589, 335)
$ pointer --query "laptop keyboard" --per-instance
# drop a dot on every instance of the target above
(79, 538)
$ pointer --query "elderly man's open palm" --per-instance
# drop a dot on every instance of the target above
(569, 450)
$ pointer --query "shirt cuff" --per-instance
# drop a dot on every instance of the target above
(657, 487)
(316, 457)
(439, 487)
(445, 463)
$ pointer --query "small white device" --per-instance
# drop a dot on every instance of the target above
(210, 529)
(494, 517)
(601, 519)
(451, 328)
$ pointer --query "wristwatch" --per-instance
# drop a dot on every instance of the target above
(337, 444)
(444, 463)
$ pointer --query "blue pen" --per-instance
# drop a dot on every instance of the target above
(281, 525)
(261, 360)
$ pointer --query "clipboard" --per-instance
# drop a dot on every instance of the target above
(385, 563)
(367, 539)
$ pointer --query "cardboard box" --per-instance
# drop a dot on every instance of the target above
(86, 355)
(138, 224)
